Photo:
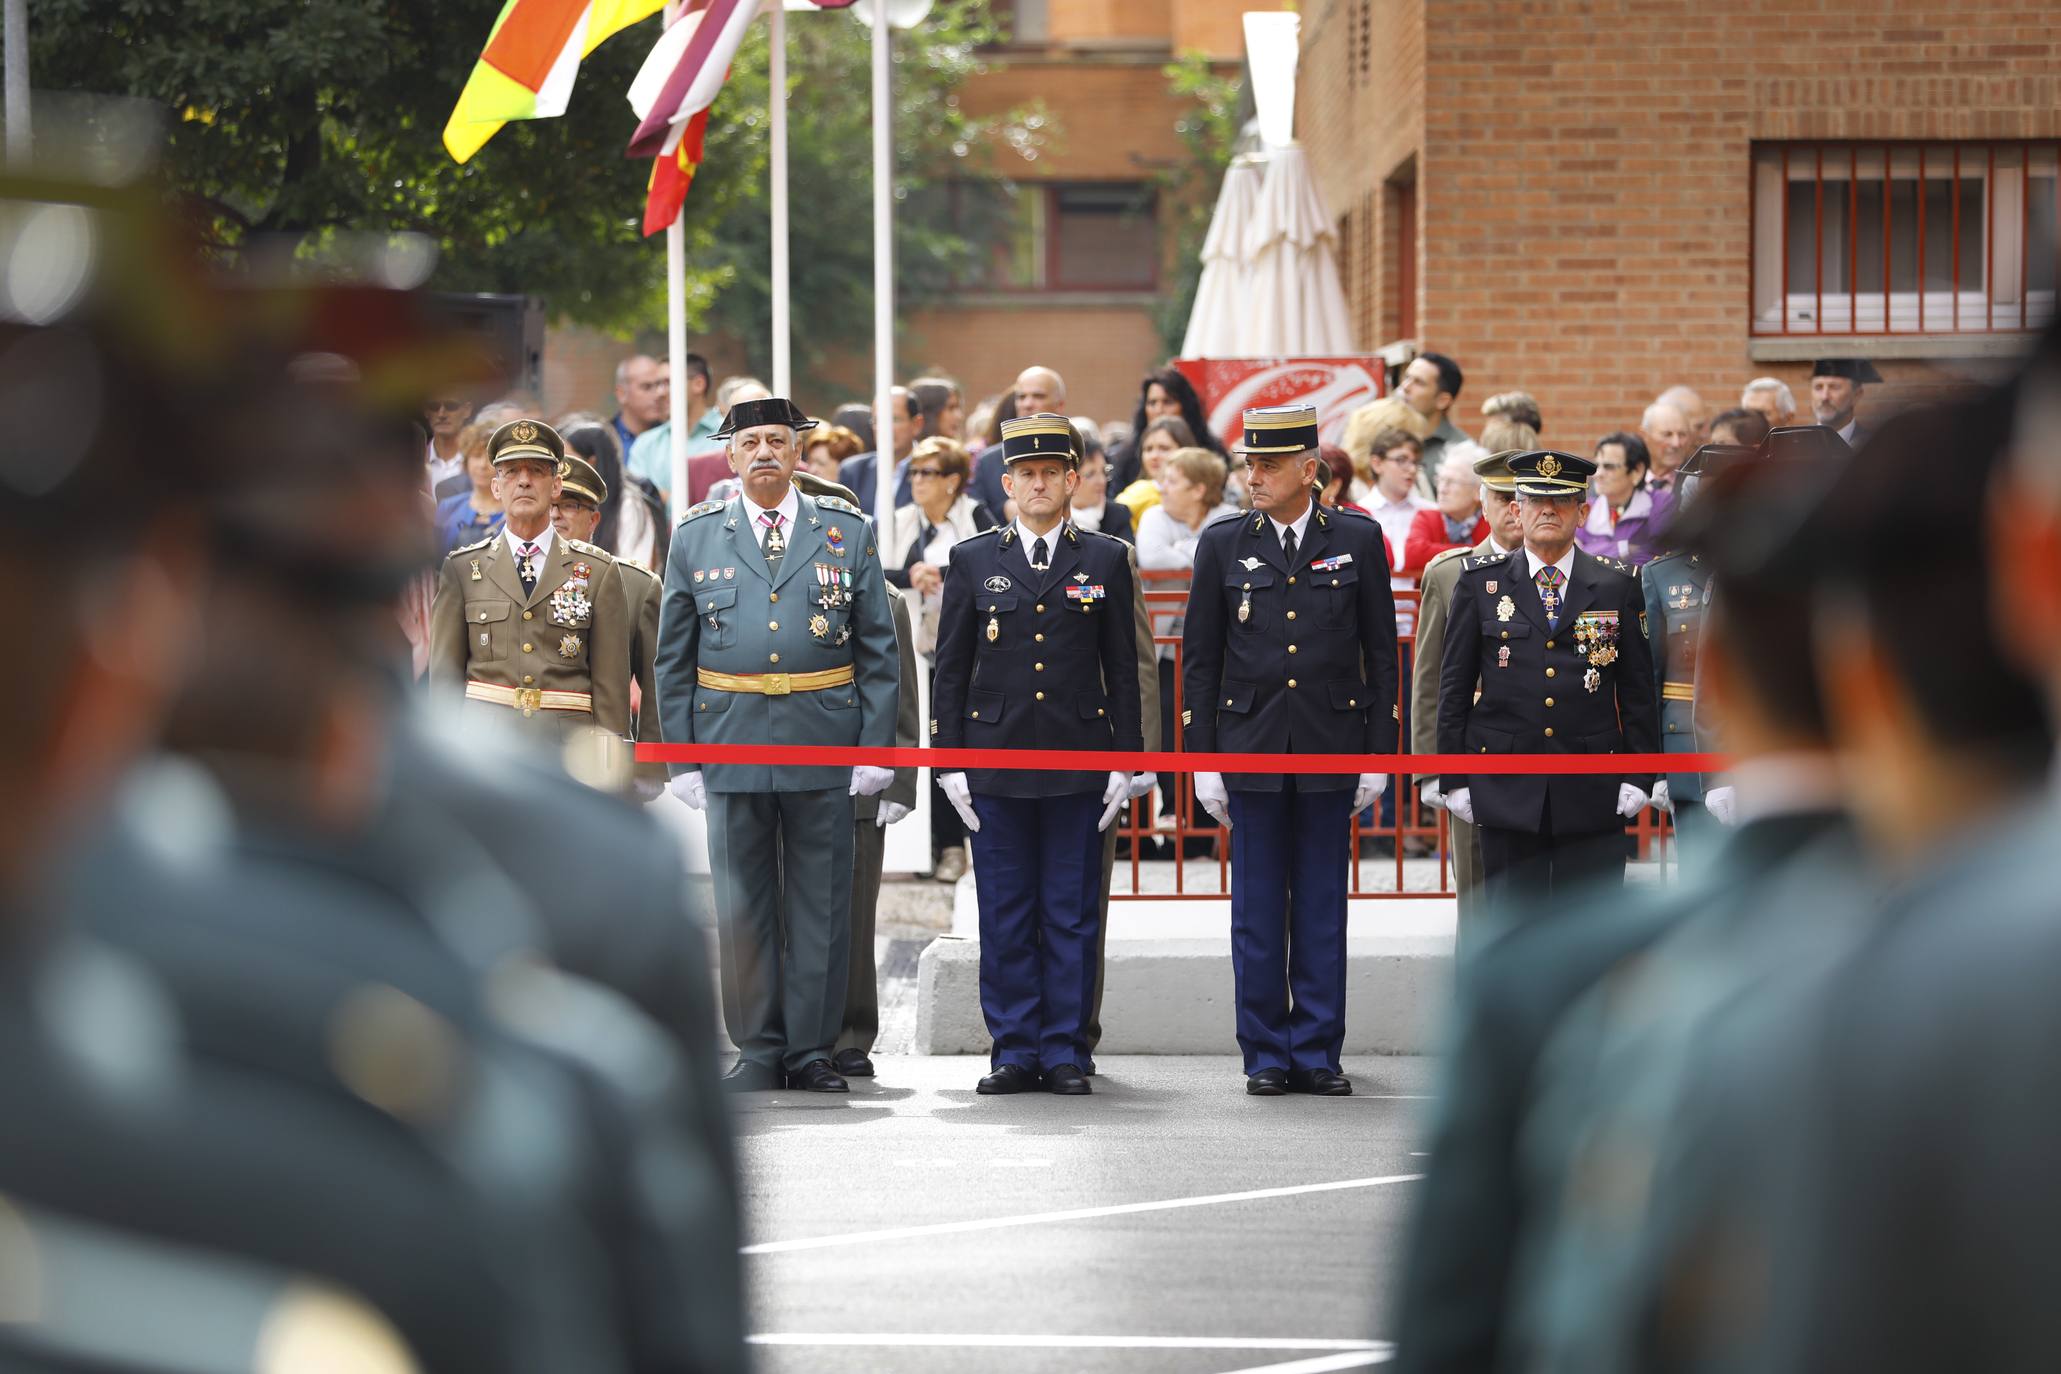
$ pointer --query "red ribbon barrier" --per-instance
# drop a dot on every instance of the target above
(1110, 761)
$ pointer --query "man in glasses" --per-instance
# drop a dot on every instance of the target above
(446, 416)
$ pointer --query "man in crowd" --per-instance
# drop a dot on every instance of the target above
(1772, 399)
(1289, 648)
(1037, 649)
(1038, 390)
(651, 457)
(1505, 536)
(1740, 428)
(1693, 411)
(858, 473)
(531, 627)
(776, 630)
(1557, 640)
(1836, 386)
(446, 416)
(1670, 440)
(643, 398)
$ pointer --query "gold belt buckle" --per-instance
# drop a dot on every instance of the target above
(778, 684)
(529, 698)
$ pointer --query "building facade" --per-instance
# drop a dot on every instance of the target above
(1595, 199)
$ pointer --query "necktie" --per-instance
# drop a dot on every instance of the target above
(527, 568)
(775, 543)
(1549, 580)
(1039, 558)
(1288, 544)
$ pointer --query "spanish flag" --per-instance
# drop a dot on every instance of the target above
(527, 68)
(672, 172)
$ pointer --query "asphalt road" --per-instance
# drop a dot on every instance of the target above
(912, 1227)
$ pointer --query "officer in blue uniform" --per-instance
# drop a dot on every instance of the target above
(776, 630)
(1036, 650)
(1289, 648)
(1557, 640)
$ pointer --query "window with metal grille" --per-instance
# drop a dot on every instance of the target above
(1905, 238)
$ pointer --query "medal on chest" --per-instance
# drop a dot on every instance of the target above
(569, 646)
(1503, 657)
(994, 626)
(819, 626)
(1505, 608)
(1592, 679)
(569, 603)
(1245, 606)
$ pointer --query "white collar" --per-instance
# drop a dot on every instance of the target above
(1301, 525)
(1566, 565)
(789, 508)
(1495, 545)
(542, 541)
(1051, 538)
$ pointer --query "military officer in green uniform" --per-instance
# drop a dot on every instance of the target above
(527, 626)
(775, 629)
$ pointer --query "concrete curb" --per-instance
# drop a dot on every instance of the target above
(1174, 996)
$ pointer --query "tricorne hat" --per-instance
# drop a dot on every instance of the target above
(771, 410)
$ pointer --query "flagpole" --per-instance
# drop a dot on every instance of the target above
(676, 338)
(883, 272)
(16, 37)
(783, 377)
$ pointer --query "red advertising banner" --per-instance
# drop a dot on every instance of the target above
(1336, 386)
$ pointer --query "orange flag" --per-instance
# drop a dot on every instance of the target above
(672, 172)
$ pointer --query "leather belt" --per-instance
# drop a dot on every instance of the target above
(1678, 691)
(529, 700)
(775, 684)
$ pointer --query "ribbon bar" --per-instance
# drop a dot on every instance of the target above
(1110, 761)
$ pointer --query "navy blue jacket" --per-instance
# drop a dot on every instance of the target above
(1029, 660)
(1559, 691)
(1282, 660)
(987, 481)
(857, 475)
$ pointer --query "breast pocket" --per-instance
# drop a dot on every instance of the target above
(1249, 596)
(995, 621)
(1338, 594)
(718, 611)
(487, 625)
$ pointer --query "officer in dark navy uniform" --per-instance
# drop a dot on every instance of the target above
(1289, 648)
(1036, 650)
(1557, 640)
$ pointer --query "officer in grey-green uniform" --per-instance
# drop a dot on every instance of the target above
(775, 629)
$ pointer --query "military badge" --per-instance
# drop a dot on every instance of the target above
(1245, 606)
(1549, 467)
(1503, 657)
(570, 606)
(819, 626)
(698, 574)
(1331, 564)
(1505, 608)
(844, 633)
(1595, 634)
(523, 432)
(569, 647)
(582, 574)
(994, 626)
(475, 570)
(483, 640)
(1080, 577)
(729, 574)
(834, 537)
(1592, 679)
(1490, 586)
(997, 583)
(1248, 563)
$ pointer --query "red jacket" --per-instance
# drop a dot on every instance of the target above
(1428, 540)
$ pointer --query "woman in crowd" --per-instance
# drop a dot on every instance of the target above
(1192, 480)
(856, 417)
(633, 523)
(1335, 471)
(1163, 394)
(1624, 517)
(914, 553)
(940, 407)
(827, 446)
(1457, 522)
(1501, 435)
(1161, 439)
(1092, 509)
(471, 515)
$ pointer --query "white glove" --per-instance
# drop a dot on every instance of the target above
(1115, 795)
(867, 782)
(890, 812)
(1141, 783)
(1430, 795)
(960, 796)
(1719, 801)
(1460, 802)
(1211, 794)
(1630, 800)
(689, 788)
(1661, 800)
(1372, 785)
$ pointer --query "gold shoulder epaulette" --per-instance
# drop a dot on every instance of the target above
(705, 508)
(472, 548)
(592, 550)
(837, 503)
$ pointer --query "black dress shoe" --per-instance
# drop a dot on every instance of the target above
(853, 1064)
(817, 1076)
(1320, 1083)
(748, 1077)
(1010, 1078)
(1267, 1083)
(1068, 1081)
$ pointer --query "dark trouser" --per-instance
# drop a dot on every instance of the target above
(1289, 861)
(782, 863)
(862, 989)
(1091, 1034)
(1519, 866)
(1035, 876)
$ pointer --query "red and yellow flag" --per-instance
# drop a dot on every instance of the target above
(672, 173)
(527, 68)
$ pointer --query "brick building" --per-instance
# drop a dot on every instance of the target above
(1595, 199)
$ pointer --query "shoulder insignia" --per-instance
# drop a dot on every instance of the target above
(1352, 514)
(1008, 534)
(624, 565)
(1445, 556)
(1105, 534)
(1229, 517)
(471, 548)
(1487, 560)
(591, 550)
(705, 508)
(836, 503)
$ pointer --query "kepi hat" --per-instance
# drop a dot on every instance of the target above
(1279, 430)
(1043, 435)
(530, 440)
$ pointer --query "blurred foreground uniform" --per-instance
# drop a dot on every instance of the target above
(543, 639)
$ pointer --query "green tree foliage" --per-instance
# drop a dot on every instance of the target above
(1209, 129)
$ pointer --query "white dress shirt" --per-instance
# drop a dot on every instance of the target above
(542, 543)
(789, 508)
(1301, 527)
(1051, 538)
(1565, 563)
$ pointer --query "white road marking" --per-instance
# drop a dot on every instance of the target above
(1041, 1342)
(1011, 1162)
(946, 1228)
(1324, 1364)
